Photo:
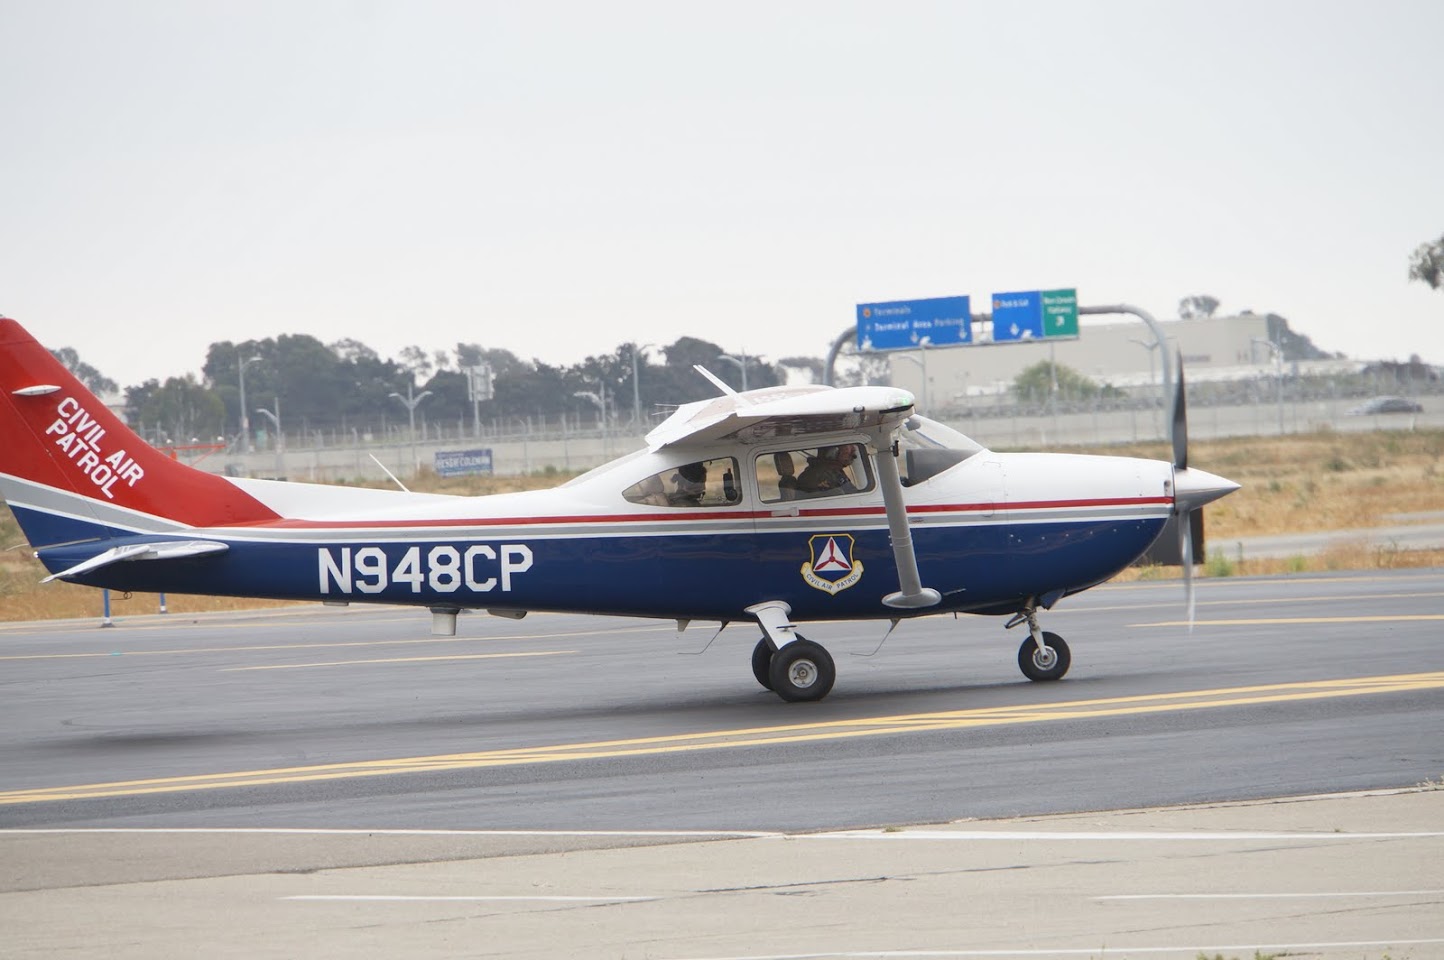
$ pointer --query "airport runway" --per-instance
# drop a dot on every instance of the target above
(563, 746)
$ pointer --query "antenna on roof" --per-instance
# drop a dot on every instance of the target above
(389, 473)
(716, 380)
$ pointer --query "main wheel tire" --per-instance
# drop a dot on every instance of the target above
(1038, 666)
(802, 671)
(762, 662)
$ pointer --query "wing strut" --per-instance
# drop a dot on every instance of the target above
(913, 594)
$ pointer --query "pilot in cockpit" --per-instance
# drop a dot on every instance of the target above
(691, 483)
(828, 471)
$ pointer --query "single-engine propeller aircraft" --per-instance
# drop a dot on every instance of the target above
(778, 506)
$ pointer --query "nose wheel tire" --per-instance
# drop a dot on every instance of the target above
(1050, 664)
(801, 671)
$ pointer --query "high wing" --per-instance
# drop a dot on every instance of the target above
(783, 412)
(801, 411)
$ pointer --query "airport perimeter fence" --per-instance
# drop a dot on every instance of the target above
(524, 445)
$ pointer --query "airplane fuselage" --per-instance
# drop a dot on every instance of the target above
(988, 534)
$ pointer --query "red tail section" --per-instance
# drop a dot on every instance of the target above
(55, 433)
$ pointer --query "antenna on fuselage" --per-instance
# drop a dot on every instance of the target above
(388, 472)
(717, 382)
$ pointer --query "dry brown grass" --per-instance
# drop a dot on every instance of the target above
(1305, 483)
(1316, 481)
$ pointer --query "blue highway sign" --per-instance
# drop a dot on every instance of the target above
(905, 324)
(1035, 315)
(1017, 316)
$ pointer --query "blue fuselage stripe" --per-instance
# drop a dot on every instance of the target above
(985, 566)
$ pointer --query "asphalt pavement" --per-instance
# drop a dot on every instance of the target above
(323, 782)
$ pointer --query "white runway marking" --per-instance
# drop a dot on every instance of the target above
(1103, 835)
(1249, 949)
(1272, 896)
(304, 831)
(380, 898)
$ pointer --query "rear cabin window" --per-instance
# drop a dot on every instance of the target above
(703, 483)
(814, 472)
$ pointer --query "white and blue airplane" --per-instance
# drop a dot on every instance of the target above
(778, 506)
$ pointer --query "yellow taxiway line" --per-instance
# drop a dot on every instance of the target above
(751, 737)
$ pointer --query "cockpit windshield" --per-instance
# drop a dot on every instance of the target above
(920, 432)
(928, 448)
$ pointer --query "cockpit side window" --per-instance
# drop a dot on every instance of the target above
(813, 472)
(702, 483)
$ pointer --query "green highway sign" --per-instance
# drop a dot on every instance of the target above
(1035, 315)
(1060, 313)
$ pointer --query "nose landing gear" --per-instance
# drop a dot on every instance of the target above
(1043, 656)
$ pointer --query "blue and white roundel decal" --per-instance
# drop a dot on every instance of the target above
(832, 568)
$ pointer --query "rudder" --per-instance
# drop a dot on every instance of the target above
(71, 469)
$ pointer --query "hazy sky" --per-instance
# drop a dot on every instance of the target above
(557, 178)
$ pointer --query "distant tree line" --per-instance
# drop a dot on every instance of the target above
(347, 384)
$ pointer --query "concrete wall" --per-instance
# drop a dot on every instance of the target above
(576, 453)
(1103, 352)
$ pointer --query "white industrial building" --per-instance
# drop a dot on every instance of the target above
(1121, 353)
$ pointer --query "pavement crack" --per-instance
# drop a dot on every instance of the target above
(801, 886)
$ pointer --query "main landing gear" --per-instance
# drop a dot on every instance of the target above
(800, 671)
(1043, 656)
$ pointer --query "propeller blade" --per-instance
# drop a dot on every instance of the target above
(1178, 434)
(1178, 422)
(1185, 548)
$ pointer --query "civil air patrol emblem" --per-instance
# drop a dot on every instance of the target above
(832, 568)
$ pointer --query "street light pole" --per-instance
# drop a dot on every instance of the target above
(739, 364)
(247, 446)
(598, 401)
(411, 403)
(923, 365)
(275, 419)
(1278, 353)
(637, 384)
(1150, 346)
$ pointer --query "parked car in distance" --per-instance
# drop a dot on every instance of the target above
(1386, 405)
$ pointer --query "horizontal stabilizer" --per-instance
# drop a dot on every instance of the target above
(153, 550)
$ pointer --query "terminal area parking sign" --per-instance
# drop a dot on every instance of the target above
(1035, 315)
(906, 324)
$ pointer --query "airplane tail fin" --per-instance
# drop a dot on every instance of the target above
(72, 470)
